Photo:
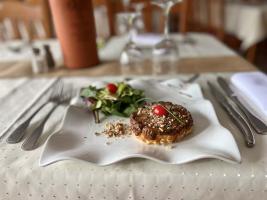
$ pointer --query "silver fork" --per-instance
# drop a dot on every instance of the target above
(17, 135)
(31, 141)
(192, 79)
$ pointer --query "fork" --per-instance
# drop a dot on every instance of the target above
(17, 135)
(31, 141)
(192, 78)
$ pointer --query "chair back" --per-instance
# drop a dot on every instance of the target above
(207, 16)
(111, 7)
(24, 20)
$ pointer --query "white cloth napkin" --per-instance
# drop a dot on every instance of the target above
(251, 87)
(147, 40)
(115, 46)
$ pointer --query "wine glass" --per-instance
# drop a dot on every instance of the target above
(122, 21)
(139, 22)
(126, 4)
(165, 53)
(132, 56)
(3, 35)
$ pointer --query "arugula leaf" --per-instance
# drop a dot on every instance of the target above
(116, 112)
(129, 110)
(98, 104)
(88, 92)
(121, 88)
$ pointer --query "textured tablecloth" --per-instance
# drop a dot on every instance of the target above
(22, 178)
(247, 22)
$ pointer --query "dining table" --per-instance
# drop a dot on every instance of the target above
(22, 177)
(204, 54)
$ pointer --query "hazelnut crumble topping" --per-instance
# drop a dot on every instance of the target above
(116, 129)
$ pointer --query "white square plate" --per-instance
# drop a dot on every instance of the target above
(77, 140)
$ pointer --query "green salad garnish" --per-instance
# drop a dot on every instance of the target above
(115, 99)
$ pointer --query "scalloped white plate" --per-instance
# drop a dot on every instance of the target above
(77, 140)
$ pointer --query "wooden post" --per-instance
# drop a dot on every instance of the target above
(47, 19)
(75, 28)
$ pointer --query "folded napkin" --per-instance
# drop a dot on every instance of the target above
(115, 46)
(251, 87)
(147, 40)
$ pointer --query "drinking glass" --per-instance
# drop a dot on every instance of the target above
(132, 56)
(165, 53)
(139, 22)
(126, 4)
(3, 36)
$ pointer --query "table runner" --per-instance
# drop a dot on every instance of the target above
(22, 178)
(190, 65)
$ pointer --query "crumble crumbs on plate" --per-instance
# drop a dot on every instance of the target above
(115, 129)
(118, 129)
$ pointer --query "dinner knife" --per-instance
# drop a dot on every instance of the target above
(257, 124)
(239, 120)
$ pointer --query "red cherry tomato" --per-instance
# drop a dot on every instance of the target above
(159, 110)
(112, 88)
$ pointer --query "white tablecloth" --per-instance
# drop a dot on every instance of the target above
(205, 45)
(25, 54)
(247, 22)
(22, 178)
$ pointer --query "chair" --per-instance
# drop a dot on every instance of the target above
(112, 7)
(182, 10)
(207, 16)
(27, 18)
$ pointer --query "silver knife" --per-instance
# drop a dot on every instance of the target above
(256, 123)
(240, 122)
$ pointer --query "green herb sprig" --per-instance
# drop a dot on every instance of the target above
(169, 111)
(175, 117)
